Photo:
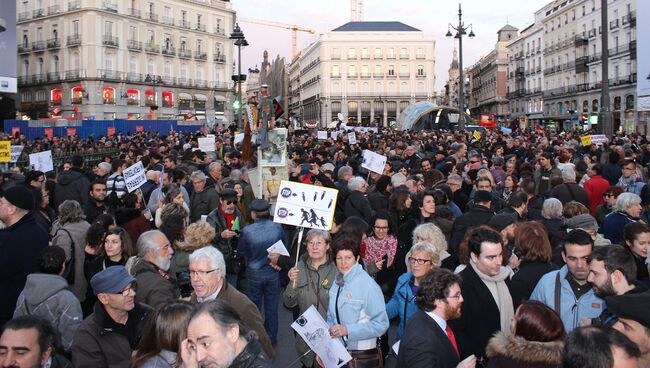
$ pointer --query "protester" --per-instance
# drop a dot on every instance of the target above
(637, 240)
(30, 341)
(599, 347)
(626, 210)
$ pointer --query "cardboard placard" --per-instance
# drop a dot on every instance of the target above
(352, 138)
(321, 135)
(373, 161)
(15, 152)
(206, 144)
(5, 151)
(41, 161)
(134, 176)
(305, 205)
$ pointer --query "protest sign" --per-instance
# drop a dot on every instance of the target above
(41, 161)
(373, 161)
(315, 332)
(352, 138)
(5, 151)
(206, 144)
(134, 176)
(321, 135)
(15, 152)
(305, 205)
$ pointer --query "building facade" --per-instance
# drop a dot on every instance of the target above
(367, 71)
(119, 58)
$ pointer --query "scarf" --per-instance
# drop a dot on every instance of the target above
(376, 249)
(500, 293)
(230, 217)
(628, 182)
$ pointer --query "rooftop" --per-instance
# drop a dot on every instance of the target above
(375, 27)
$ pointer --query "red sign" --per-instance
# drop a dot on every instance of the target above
(15, 131)
(49, 132)
(110, 131)
(139, 128)
(72, 131)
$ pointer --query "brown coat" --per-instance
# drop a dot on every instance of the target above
(249, 313)
(506, 350)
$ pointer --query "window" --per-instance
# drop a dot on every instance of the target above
(108, 96)
(55, 31)
(365, 72)
(39, 34)
(403, 53)
(421, 70)
(150, 67)
(378, 71)
(391, 70)
(167, 71)
(133, 33)
(108, 28)
(391, 53)
(364, 53)
(336, 71)
(352, 54)
(377, 53)
(26, 67)
(132, 97)
(352, 71)
(151, 38)
(133, 65)
(55, 64)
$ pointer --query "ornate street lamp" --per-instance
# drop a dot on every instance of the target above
(461, 30)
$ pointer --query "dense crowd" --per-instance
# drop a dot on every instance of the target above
(525, 249)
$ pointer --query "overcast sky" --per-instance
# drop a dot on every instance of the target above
(430, 16)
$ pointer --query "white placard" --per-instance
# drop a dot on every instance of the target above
(305, 205)
(206, 144)
(41, 161)
(598, 138)
(15, 153)
(134, 176)
(373, 161)
(279, 248)
(334, 134)
(321, 135)
(315, 332)
(352, 138)
(239, 137)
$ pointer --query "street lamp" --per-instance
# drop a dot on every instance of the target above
(154, 80)
(240, 41)
(461, 30)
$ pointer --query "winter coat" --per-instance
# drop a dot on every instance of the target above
(614, 224)
(48, 296)
(477, 215)
(202, 203)
(303, 296)
(155, 287)
(572, 311)
(164, 359)
(358, 205)
(542, 178)
(506, 350)
(555, 229)
(525, 280)
(252, 356)
(596, 186)
(402, 301)
(133, 221)
(71, 184)
(77, 235)
(226, 246)
(20, 244)
(568, 192)
(100, 342)
(361, 309)
(612, 172)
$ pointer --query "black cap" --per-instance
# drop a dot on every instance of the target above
(259, 205)
(228, 194)
(21, 197)
(631, 306)
(502, 221)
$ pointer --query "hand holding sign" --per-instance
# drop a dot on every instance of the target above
(134, 176)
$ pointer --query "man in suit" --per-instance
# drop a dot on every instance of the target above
(428, 341)
(488, 305)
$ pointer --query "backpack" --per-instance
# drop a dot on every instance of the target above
(113, 201)
(69, 272)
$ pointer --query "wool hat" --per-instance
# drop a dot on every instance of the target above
(21, 197)
(631, 306)
(259, 205)
(112, 280)
(584, 221)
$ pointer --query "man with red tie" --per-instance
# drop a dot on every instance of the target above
(428, 341)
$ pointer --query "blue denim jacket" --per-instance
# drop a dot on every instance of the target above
(255, 239)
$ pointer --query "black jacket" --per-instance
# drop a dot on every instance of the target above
(425, 345)
(358, 205)
(477, 215)
(525, 280)
(72, 184)
(480, 315)
(568, 192)
(252, 356)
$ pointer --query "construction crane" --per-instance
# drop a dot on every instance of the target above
(293, 28)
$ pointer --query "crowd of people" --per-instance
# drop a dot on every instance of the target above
(524, 249)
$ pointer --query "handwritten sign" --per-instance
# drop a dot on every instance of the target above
(305, 205)
(41, 161)
(315, 332)
(373, 161)
(5, 151)
(134, 176)
(15, 152)
(352, 138)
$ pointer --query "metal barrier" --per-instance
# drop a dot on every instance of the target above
(58, 161)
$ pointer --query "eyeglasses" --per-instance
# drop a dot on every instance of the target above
(195, 273)
(229, 202)
(316, 243)
(455, 296)
(418, 260)
(130, 287)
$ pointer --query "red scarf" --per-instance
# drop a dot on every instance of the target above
(229, 217)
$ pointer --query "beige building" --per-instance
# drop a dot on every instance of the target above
(367, 71)
(118, 58)
(489, 78)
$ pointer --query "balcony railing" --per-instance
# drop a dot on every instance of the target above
(151, 48)
(107, 74)
(184, 53)
(364, 75)
(184, 24)
(403, 56)
(152, 17)
(168, 20)
(38, 13)
(74, 40)
(134, 12)
(335, 57)
(54, 9)
(134, 77)
(53, 43)
(134, 45)
(201, 55)
(185, 82)
(219, 58)
(111, 7)
(420, 75)
(169, 51)
(75, 74)
(628, 18)
(404, 75)
(38, 45)
(54, 77)
(23, 48)
(420, 56)
(74, 5)
(335, 76)
(218, 31)
(200, 27)
(200, 83)
(613, 24)
(109, 40)
(23, 16)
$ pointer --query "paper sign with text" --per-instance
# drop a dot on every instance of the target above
(315, 331)
(352, 138)
(305, 205)
(373, 161)
(15, 152)
(279, 248)
(5, 151)
(206, 144)
(321, 135)
(134, 176)
(41, 161)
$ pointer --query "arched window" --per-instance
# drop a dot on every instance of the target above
(132, 96)
(55, 96)
(108, 95)
(76, 94)
(629, 102)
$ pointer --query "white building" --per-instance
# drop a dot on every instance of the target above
(368, 71)
(117, 58)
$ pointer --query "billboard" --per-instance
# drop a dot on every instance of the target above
(643, 57)
(8, 47)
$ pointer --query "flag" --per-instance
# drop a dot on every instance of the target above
(477, 135)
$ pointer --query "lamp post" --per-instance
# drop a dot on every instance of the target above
(461, 29)
(154, 80)
(240, 41)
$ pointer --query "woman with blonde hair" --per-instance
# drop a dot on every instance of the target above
(430, 233)
(198, 235)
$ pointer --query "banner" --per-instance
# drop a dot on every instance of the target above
(5, 151)
(134, 176)
(41, 161)
(305, 205)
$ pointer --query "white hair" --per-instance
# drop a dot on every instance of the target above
(397, 180)
(211, 254)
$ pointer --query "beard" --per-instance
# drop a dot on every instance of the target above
(605, 290)
(163, 263)
(452, 312)
(229, 355)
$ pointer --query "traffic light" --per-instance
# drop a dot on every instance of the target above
(583, 118)
(236, 104)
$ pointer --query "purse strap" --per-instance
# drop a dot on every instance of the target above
(315, 289)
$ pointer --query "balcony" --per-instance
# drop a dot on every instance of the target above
(420, 75)
(107, 74)
(184, 24)
(134, 12)
(184, 82)
(74, 40)
(219, 58)
(614, 24)
(23, 16)
(200, 83)
(39, 78)
(184, 53)
(169, 51)
(54, 9)
(151, 48)
(391, 74)
(200, 27)
(134, 77)
(420, 56)
(109, 6)
(365, 57)
(201, 55)
(23, 48)
(404, 56)
(629, 19)
(390, 57)
(519, 70)
(110, 41)
(218, 31)
(378, 57)
(53, 77)
(74, 5)
(594, 57)
(352, 57)
(404, 74)
(592, 33)
(134, 45)
(335, 76)
(38, 13)
(152, 17)
(580, 40)
(75, 74)
(168, 20)
(53, 43)
(352, 75)
(364, 75)
(377, 75)
(38, 45)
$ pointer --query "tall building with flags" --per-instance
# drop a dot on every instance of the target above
(123, 58)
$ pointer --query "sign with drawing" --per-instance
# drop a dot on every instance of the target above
(41, 161)
(305, 205)
(315, 332)
(373, 161)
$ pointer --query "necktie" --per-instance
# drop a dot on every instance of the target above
(452, 338)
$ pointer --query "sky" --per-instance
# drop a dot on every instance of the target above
(430, 16)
